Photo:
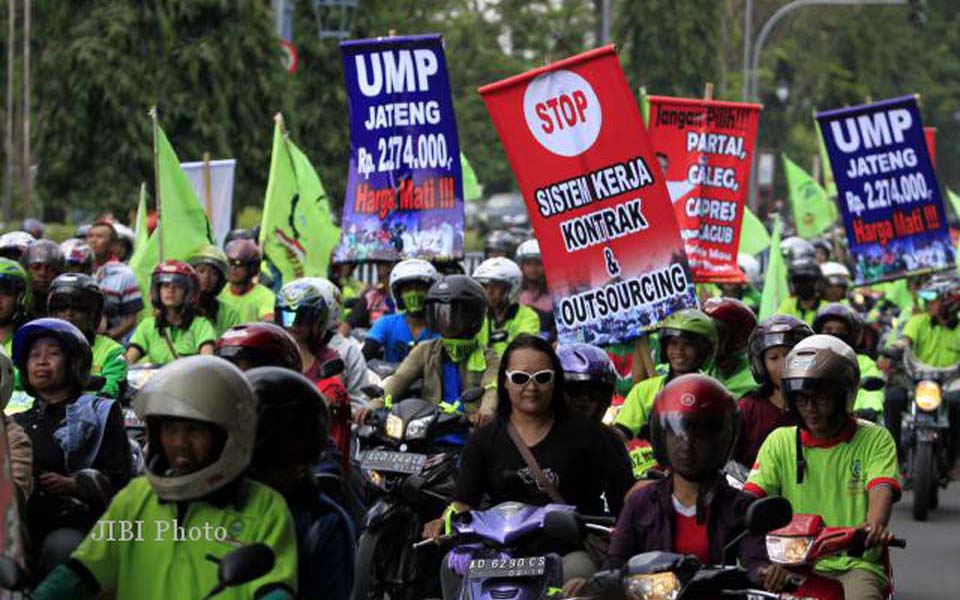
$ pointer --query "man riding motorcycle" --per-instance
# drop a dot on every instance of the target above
(77, 298)
(506, 318)
(806, 281)
(194, 501)
(453, 362)
(250, 299)
(832, 465)
(44, 261)
(259, 345)
(836, 282)
(15, 301)
(734, 321)
(841, 321)
(393, 335)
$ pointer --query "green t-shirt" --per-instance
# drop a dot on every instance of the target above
(227, 317)
(639, 403)
(867, 399)
(108, 363)
(791, 306)
(933, 344)
(255, 305)
(526, 320)
(164, 568)
(836, 481)
(741, 382)
(187, 342)
(898, 292)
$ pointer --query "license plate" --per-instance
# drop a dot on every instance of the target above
(507, 567)
(394, 462)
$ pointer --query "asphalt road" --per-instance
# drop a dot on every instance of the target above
(929, 568)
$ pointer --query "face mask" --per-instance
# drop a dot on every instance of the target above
(413, 301)
(459, 350)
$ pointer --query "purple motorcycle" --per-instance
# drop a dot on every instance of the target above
(498, 551)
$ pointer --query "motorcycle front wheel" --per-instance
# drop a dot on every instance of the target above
(924, 480)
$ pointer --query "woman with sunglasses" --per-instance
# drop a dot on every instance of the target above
(573, 452)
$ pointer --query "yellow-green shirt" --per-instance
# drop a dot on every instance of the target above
(933, 344)
(255, 305)
(186, 342)
(524, 320)
(638, 404)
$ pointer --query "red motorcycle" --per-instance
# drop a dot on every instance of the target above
(805, 541)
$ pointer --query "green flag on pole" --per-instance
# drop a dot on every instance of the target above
(297, 233)
(754, 238)
(813, 211)
(182, 226)
(828, 183)
(645, 106)
(471, 187)
(954, 202)
(775, 288)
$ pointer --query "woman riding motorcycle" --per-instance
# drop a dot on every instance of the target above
(81, 455)
(175, 330)
(210, 264)
(734, 321)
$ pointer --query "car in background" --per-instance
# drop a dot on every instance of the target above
(504, 212)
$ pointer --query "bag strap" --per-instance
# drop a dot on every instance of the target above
(166, 338)
(541, 478)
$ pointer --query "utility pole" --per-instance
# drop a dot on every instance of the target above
(27, 171)
(8, 139)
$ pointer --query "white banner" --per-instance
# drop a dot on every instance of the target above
(221, 192)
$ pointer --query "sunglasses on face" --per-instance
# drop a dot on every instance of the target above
(522, 378)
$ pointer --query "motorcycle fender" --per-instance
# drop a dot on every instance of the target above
(382, 511)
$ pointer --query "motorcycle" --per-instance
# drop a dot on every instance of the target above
(408, 455)
(237, 567)
(925, 433)
(491, 549)
(137, 377)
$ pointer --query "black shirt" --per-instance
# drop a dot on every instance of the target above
(577, 455)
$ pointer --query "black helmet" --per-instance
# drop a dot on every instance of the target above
(455, 307)
(45, 252)
(805, 278)
(841, 312)
(778, 330)
(293, 423)
(501, 242)
(74, 343)
(81, 291)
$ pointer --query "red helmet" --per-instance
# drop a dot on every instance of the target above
(697, 408)
(734, 321)
(177, 273)
(260, 345)
(244, 251)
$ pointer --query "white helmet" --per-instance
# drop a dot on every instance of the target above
(207, 389)
(307, 293)
(835, 273)
(500, 270)
(15, 242)
(529, 250)
(750, 267)
(411, 270)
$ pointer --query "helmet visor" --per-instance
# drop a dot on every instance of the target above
(700, 428)
(461, 320)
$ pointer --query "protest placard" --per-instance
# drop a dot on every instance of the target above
(404, 190)
(887, 190)
(609, 241)
(705, 149)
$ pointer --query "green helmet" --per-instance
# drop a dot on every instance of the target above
(14, 279)
(692, 324)
(213, 256)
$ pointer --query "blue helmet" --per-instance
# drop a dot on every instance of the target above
(586, 363)
(74, 344)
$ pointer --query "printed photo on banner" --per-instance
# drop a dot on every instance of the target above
(404, 190)
(887, 189)
(704, 149)
(609, 241)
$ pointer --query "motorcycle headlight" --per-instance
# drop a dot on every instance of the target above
(927, 396)
(788, 550)
(653, 586)
(417, 429)
(394, 427)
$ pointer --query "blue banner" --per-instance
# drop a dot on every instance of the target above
(887, 190)
(405, 191)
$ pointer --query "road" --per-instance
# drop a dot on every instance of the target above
(929, 569)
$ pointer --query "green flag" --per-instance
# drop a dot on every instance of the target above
(471, 187)
(954, 202)
(813, 211)
(297, 234)
(828, 183)
(645, 106)
(754, 238)
(775, 288)
(182, 227)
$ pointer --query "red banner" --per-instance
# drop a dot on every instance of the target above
(705, 150)
(610, 244)
(930, 134)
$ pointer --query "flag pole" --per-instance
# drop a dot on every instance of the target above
(278, 119)
(156, 184)
(207, 200)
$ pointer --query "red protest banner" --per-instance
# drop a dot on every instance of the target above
(610, 244)
(704, 149)
(930, 134)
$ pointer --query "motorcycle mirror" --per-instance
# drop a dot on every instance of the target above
(872, 384)
(766, 514)
(563, 526)
(332, 368)
(241, 566)
(372, 391)
(13, 577)
(471, 395)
